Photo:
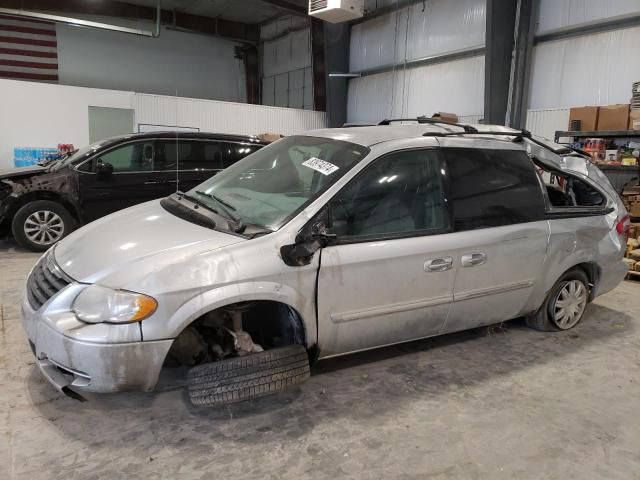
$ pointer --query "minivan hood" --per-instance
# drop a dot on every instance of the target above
(132, 243)
(21, 172)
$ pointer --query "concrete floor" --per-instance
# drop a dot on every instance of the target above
(498, 403)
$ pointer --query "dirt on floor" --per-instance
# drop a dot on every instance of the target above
(503, 402)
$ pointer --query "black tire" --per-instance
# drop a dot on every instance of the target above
(252, 376)
(18, 223)
(543, 319)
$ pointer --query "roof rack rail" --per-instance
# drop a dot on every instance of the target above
(432, 121)
(518, 134)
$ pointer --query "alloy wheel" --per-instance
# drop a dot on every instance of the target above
(44, 227)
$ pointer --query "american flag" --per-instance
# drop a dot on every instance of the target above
(28, 49)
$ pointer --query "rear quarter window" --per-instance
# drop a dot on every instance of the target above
(491, 188)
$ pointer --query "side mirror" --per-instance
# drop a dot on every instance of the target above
(104, 170)
(311, 238)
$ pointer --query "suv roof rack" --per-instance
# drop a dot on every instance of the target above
(518, 134)
(431, 121)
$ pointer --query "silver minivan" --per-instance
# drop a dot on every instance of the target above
(323, 244)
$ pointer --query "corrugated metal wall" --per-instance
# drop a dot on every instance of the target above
(563, 13)
(545, 122)
(420, 30)
(224, 117)
(595, 69)
(287, 79)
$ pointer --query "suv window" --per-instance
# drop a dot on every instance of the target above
(132, 157)
(490, 188)
(400, 193)
(235, 151)
(189, 155)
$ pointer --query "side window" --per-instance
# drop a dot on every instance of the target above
(133, 157)
(213, 155)
(490, 188)
(183, 154)
(232, 152)
(400, 193)
(568, 191)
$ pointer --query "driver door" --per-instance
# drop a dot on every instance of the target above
(135, 179)
(390, 276)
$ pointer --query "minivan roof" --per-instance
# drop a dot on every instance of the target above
(371, 135)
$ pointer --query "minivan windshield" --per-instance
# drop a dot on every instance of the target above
(269, 186)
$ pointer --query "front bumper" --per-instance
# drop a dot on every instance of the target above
(81, 358)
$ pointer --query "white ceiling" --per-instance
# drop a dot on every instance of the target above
(245, 11)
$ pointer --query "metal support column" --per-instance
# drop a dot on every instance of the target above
(526, 19)
(319, 65)
(249, 55)
(337, 60)
(501, 20)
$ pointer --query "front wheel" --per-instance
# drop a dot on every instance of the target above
(251, 376)
(565, 305)
(39, 224)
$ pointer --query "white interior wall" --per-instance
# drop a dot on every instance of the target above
(287, 79)
(411, 33)
(186, 64)
(443, 26)
(225, 117)
(456, 86)
(44, 115)
(545, 122)
(596, 69)
(564, 13)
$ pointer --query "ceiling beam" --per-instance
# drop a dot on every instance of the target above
(241, 32)
(289, 7)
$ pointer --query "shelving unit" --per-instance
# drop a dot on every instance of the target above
(618, 175)
(605, 134)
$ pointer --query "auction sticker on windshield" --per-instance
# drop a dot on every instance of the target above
(322, 166)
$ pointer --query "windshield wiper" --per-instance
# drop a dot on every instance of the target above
(196, 201)
(228, 208)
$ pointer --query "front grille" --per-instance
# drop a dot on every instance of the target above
(315, 5)
(45, 281)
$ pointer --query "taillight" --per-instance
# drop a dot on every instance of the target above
(623, 226)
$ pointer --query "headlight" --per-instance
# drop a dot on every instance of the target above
(97, 304)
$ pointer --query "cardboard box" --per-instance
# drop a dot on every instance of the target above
(634, 120)
(447, 117)
(631, 190)
(634, 209)
(613, 117)
(588, 117)
(269, 137)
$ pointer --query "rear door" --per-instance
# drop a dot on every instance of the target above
(390, 277)
(500, 234)
(135, 179)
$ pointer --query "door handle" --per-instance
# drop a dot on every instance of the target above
(473, 259)
(438, 264)
(151, 182)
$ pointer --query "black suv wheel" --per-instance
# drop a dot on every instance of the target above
(39, 224)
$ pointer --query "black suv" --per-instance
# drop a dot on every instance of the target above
(44, 203)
